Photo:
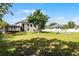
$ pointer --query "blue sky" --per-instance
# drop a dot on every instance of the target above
(58, 12)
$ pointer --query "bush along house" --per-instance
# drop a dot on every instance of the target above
(22, 26)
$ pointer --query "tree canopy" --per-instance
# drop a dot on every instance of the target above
(3, 24)
(38, 19)
(70, 24)
(4, 9)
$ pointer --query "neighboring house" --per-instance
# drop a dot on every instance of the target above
(55, 26)
(21, 26)
(58, 28)
(77, 27)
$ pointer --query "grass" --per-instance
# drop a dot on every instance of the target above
(20, 40)
(61, 36)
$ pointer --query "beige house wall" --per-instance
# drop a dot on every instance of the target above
(28, 27)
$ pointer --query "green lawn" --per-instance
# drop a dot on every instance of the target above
(28, 43)
(61, 36)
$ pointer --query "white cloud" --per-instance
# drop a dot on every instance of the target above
(26, 11)
(60, 18)
(64, 20)
(20, 19)
(76, 20)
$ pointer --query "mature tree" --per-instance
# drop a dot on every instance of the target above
(71, 24)
(3, 24)
(65, 26)
(4, 9)
(38, 19)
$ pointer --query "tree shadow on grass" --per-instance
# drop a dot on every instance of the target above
(38, 47)
(43, 47)
(3, 45)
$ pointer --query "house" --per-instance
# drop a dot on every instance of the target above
(23, 26)
(58, 28)
(54, 26)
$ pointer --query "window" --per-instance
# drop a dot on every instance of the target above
(30, 25)
(23, 25)
(27, 29)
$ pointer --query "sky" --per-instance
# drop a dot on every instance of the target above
(58, 12)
